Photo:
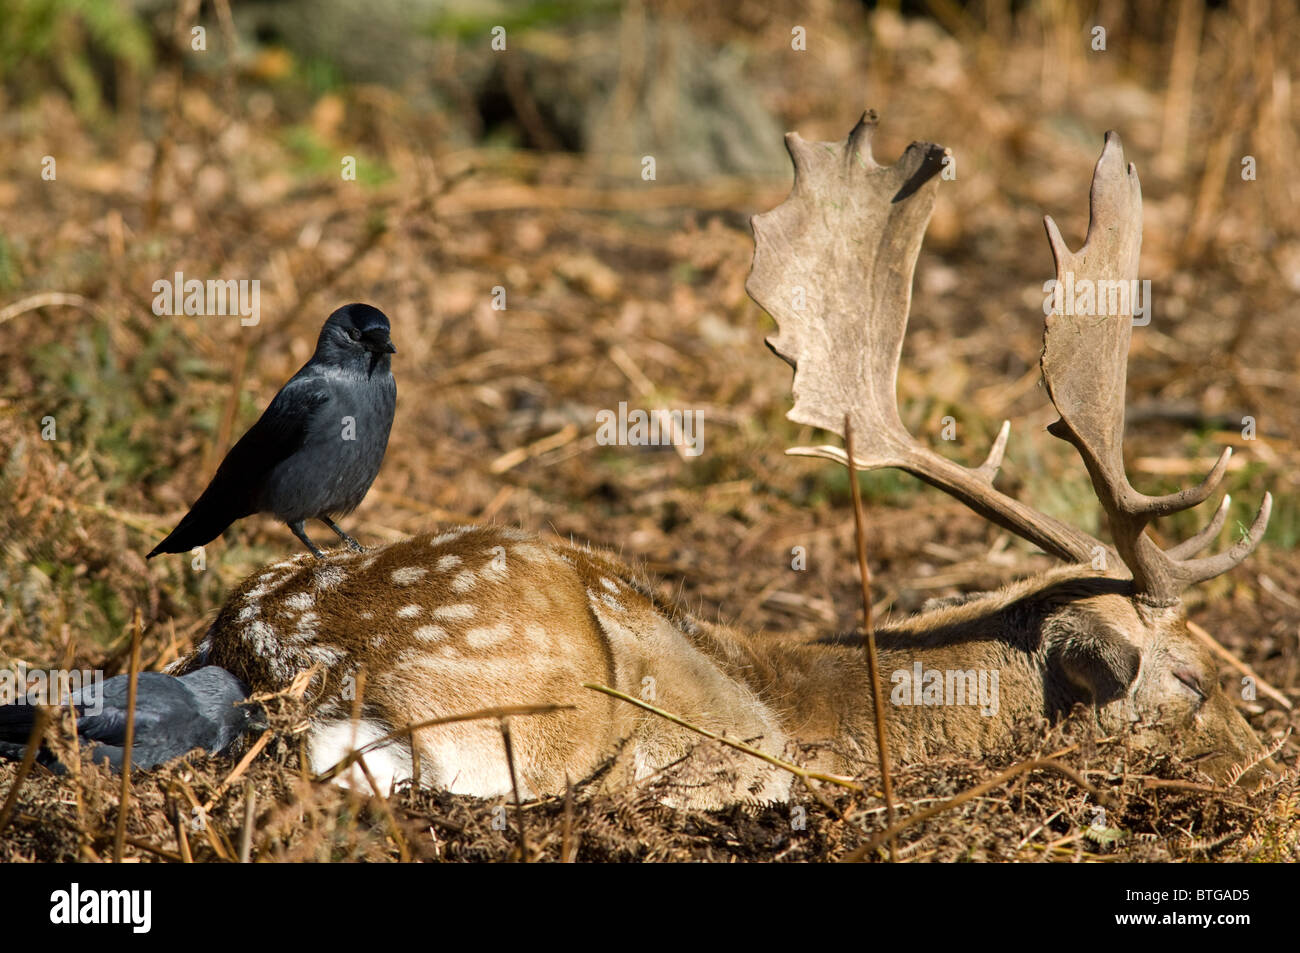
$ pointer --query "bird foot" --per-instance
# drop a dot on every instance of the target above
(352, 543)
(302, 535)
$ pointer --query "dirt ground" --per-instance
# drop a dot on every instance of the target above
(626, 290)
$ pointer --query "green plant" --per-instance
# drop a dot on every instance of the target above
(65, 39)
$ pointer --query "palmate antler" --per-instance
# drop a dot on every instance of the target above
(1085, 359)
(833, 265)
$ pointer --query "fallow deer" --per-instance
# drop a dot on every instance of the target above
(481, 617)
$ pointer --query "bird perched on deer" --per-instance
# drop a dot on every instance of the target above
(318, 446)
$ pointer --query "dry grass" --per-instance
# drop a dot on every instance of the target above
(634, 291)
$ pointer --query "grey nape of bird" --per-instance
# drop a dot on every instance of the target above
(173, 716)
(318, 446)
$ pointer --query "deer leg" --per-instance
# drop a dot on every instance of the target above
(352, 543)
(301, 533)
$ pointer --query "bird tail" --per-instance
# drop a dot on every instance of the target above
(9, 751)
(16, 723)
(206, 520)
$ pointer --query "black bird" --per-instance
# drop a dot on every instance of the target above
(172, 716)
(317, 448)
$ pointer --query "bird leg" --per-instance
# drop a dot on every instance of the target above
(302, 535)
(342, 535)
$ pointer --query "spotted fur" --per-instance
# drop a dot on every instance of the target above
(482, 617)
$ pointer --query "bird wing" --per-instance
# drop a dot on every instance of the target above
(278, 434)
(232, 494)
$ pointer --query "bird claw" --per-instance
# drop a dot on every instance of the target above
(302, 535)
(352, 543)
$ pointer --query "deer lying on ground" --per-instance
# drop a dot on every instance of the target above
(480, 617)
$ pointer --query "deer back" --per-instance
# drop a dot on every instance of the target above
(479, 618)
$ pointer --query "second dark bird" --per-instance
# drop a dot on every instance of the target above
(172, 716)
(318, 446)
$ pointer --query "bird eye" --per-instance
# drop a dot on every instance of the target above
(354, 334)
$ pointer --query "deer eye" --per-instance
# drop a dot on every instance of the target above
(1188, 678)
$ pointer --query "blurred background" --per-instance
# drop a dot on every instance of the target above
(143, 138)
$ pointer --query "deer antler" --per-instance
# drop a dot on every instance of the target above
(1085, 358)
(833, 265)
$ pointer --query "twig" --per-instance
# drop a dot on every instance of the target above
(821, 798)
(182, 839)
(354, 795)
(250, 816)
(238, 770)
(1218, 649)
(568, 846)
(1034, 833)
(403, 853)
(78, 783)
(1278, 593)
(1035, 764)
(155, 849)
(47, 299)
(1059, 843)
(1151, 784)
(230, 414)
(722, 193)
(738, 745)
(217, 840)
(416, 760)
(512, 459)
(24, 768)
(623, 361)
(124, 802)
(514, 787)
(873, 662)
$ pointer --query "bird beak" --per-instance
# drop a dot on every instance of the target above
(377, 340)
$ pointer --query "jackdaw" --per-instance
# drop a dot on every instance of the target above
(172, 717)
(317, 448)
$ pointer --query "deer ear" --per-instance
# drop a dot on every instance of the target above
(1095, 658)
